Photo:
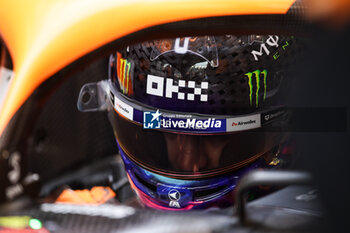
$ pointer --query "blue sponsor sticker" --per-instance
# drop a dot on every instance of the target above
(152, 120)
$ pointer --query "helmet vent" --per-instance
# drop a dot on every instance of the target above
(208, 193)
(151, 187)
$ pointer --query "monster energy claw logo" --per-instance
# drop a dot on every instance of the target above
(250, 76)
(125, 74)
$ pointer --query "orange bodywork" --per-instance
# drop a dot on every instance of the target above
(96, 196)
(44, 36)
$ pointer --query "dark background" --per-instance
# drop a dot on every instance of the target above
(70, 138)
(323, 80)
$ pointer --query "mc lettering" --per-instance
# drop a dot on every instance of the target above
(272, 41)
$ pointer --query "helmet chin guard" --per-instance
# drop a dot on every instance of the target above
(164, 193)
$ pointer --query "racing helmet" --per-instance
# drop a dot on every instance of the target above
(192, 114)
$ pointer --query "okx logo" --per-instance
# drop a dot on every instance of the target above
(151, 120)
(160, 86)
(258, 77)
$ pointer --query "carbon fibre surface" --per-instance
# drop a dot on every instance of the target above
(265, 215)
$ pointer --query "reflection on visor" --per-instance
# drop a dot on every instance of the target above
(203, 47)
(184, 155)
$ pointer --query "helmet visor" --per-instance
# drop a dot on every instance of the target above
(186, 155)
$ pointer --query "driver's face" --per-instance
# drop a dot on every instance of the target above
(194, 153)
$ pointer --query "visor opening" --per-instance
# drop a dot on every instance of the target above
(208, 193)
(151, 187)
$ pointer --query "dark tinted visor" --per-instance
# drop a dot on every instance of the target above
(187, 155)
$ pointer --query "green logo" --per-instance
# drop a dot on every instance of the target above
(277, 54)
(250, 76)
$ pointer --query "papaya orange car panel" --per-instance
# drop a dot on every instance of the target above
(44, 36)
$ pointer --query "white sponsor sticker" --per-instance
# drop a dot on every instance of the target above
(123, 108)
(243, 123)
